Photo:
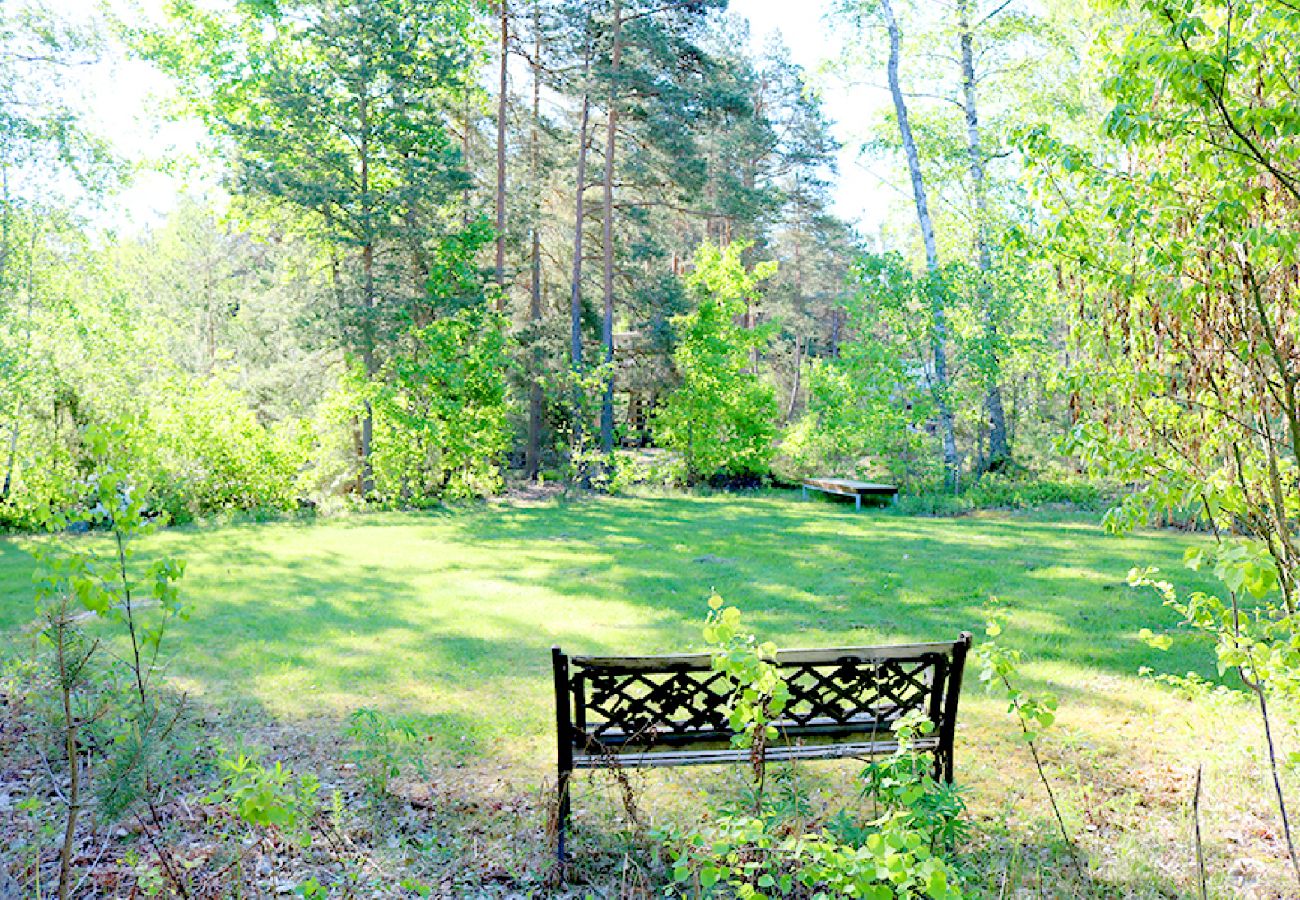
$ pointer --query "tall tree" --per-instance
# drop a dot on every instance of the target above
(46, 152)
(999, 449)
(938, 313)
(503, 105)
(655, 74)
(339, 111)
(533, 449)
(579, 223)
(607, 229)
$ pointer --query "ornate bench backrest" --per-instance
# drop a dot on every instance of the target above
(655, 703)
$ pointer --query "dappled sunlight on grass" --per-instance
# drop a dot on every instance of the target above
(449, 617)
(455, 612)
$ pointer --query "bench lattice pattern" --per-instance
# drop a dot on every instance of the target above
(640, 708)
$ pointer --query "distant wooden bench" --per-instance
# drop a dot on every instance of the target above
(613, 712)
(847, 487)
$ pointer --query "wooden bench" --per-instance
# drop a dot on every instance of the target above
(847, 487)
(612, 712)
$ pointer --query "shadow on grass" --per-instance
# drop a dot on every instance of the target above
(451, 614)
(817, 570)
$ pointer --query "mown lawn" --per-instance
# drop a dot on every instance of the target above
(450, 616)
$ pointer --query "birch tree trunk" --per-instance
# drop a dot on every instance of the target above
(367, 290)
(999, 443)
(939, 325)
(5, 252)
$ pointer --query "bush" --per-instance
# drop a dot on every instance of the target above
(194, 445)
(722, 417)
(861, 420)
(775, 848)
(440, 411)
(206, 452)
(995, 491)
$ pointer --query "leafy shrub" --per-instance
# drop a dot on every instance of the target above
(861, 420)
(996, 491)
(382, 746)
(440, 425)
(109, 701)
(38, 488)
(721, 418)
(266, 797)
(775, 849)
(194, 446)
(1002, 491)
(207, 452)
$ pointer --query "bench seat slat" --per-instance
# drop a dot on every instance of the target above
(849, 487)
(856, 727)
(777, 752)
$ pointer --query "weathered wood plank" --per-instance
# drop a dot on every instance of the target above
(851, 487)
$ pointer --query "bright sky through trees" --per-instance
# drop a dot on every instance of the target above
(127, 99)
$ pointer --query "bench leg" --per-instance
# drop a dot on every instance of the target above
(562, 816)
(857, 502)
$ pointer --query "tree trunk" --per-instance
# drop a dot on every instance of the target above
(501, 158)
(575, 299)
(798, 375)
(607, 323)
(999, 446)
(532, 454)
(367, 297)
(467, 194)
(5, 250)
(939, 327)
(71, 729)
(11, 461)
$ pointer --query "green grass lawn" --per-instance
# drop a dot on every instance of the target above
(449, 616)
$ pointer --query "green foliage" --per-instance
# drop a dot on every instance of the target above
(579, 393)
(79, 574)
(722, 417)
(209, 453)
(752, 858)
(440, 411)
(904, 785)
(1178, 234)
(383, 746)
(999, 491)
(999, 664)
(854, 424)
(867, 407)
(107, 700)
(267, 796)
(1263, 646)
(774, 850)
(759, 694)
